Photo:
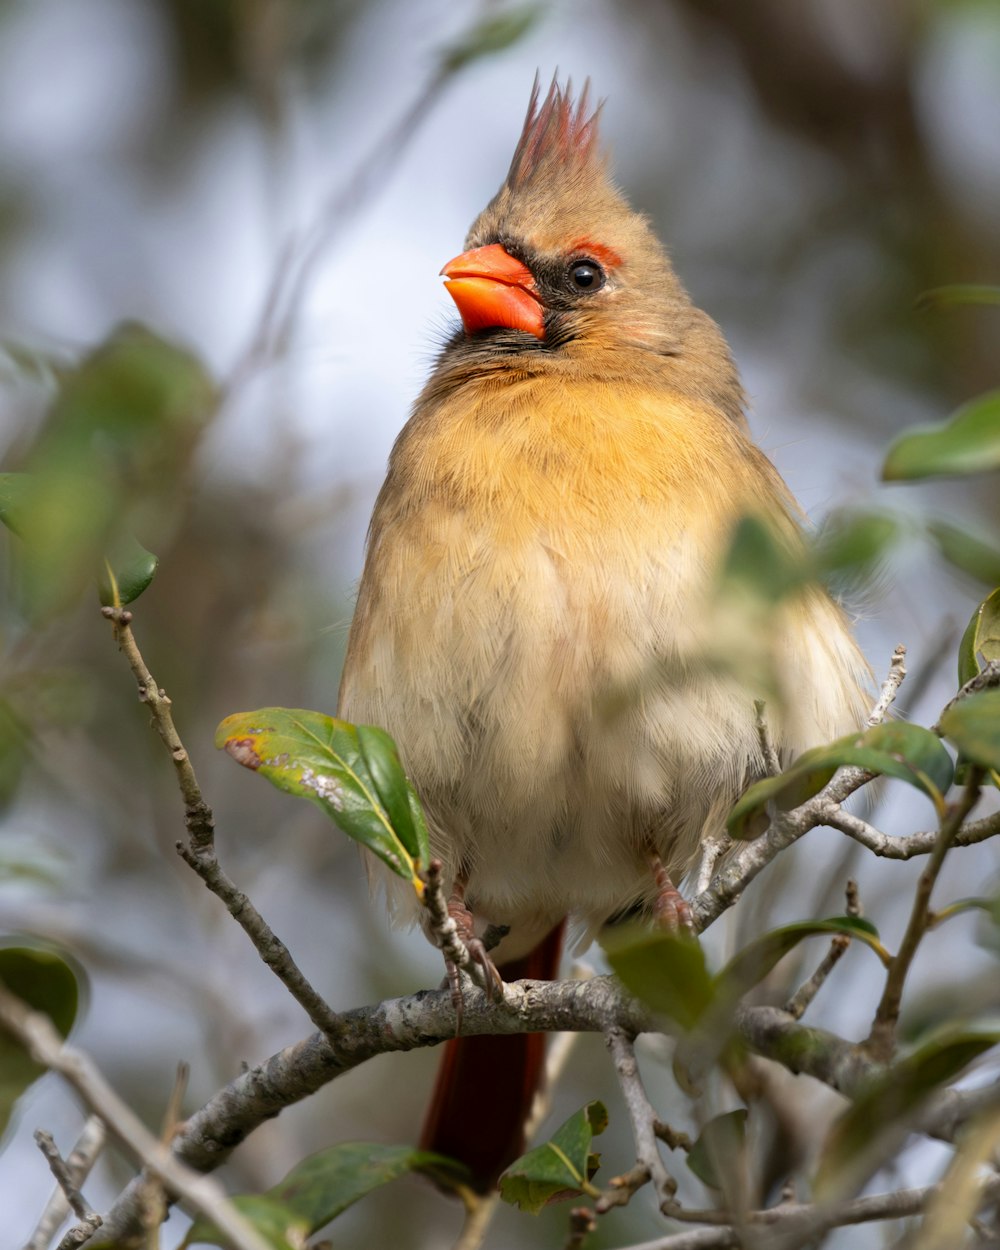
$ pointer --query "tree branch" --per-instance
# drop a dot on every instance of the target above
(427, 1018)
(199, 854)
(37, 1034)
(787, 827)
(89, 1220)
(881, 1040)
(800, 1220)
(649, 1163)
(78, 1164)
(894, 846)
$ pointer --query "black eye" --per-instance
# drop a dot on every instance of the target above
(586, 275)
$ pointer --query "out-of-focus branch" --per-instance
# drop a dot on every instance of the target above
(199, 853)
(797, 1223)
(988, 678)
(787, 827)
(88, 1220)
(881, 1040)
(804, 995)
(79, 1161)
(649, 1163)
(37, 1034)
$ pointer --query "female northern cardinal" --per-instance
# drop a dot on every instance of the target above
(538, 586)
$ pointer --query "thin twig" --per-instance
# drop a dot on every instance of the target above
(649, 1164)
(38, 1036)
(89, 1220)
(787, 827)
(805, 1221)
(199, 853)
(582, 1223)
(987, 678)
(197, 814)
(672, 1138)
(896, 846)
(79, 1162)
(890, 687)
(881, 1040)
(804, 995)
(460, 954)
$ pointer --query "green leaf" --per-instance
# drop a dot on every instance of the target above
(391, 786)
(319, 1188)
(719, 1148)
(492, 33)
(973, 725)
(47, 982)
(852, 542)
(760, 560)
(106, 463)
(959, 293)
(277, 1223)
(15, 750)
(128, 570)
(320, 758)
(965, 551)
(667, 971)
(968, 443)
(15, 500)
(981, 638)
(895, 749)
(562, 1167)
(328, 1182)
(756, 960)
(891, 1100)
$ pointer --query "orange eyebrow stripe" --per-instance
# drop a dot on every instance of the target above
(599, 251)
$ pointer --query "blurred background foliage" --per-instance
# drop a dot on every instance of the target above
(264, 191)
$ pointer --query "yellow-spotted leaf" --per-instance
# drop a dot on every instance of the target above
(352, 772)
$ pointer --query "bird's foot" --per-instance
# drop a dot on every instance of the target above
(475, 948)
(671, 910)
(451, 928)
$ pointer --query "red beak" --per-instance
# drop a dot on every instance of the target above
(491, 288)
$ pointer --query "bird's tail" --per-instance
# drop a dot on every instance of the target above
(486, 1085)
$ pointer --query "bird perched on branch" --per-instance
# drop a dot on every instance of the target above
(531, 621)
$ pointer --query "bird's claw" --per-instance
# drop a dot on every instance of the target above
(474, 945)
(671, 910)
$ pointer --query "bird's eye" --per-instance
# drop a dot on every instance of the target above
(586, 275)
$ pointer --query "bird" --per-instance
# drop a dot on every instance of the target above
(539, 579)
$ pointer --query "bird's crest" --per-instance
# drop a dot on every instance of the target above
(559, 133)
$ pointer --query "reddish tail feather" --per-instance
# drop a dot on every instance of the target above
(486, 1085)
